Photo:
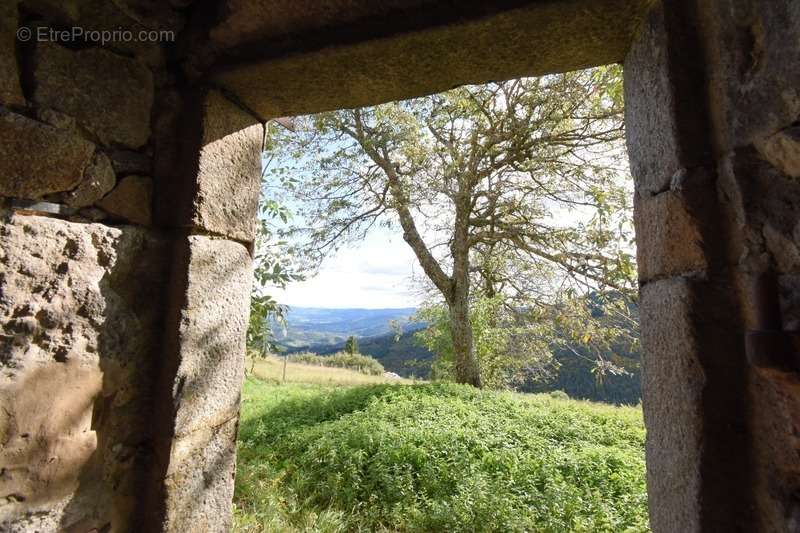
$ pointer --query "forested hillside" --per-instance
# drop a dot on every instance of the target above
(317, 329)
(576, 376)
(324, 331)
(403, 355)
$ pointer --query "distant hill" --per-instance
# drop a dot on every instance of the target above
(403, 355)
(310, 328)
(324, 331)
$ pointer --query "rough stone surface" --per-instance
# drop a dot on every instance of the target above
(130, 200)
(239, 24)
(213, 323)
(149, 14)
(777, 402)
(326, 74)
(766, 200)
(200, 480)
(91, 214)
(672, 388)
(78, 318)
(668, 240)
(782, 150)
(56, 119)
(229, 175)
(37, 159)
(212, 335)
(10, 90)
(79, 321)
(756, 81)
(101, 15)
(717, 89)
(98, 179)
(651, 132)
(109, 95)
(127, 162)
(757, 86)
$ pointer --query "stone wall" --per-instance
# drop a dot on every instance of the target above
(129, 175)
(82, 272)
(127, 213)
(79, 328)
(756, 84)
(712, 107)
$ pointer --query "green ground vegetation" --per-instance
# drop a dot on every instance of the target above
(354, 361)
(435, 457)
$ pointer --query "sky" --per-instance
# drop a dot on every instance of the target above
(372, 274)
(375, 273)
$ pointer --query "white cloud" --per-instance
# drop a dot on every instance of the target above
(374, 273)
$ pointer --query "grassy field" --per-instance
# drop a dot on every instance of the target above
(270, 369)
(435, 457)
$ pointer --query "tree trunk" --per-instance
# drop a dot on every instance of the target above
(466, 362)
(455, 289)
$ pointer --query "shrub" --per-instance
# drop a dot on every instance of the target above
(437, 457)
(559, 395)
(360, 363)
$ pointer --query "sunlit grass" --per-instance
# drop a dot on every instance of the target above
(271, 369)
(435, 457)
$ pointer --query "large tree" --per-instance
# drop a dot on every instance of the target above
(493, 184)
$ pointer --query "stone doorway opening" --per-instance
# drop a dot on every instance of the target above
(712, 112)
(323, 169)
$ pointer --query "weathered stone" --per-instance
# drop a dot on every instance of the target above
(203, 462)
(37, 159)
(79, 320)
(776, 403)
(72, 302)
(46, 420)
(98, 179)
(131, 200)
(101, 15)
(756, 76)
(651, 132)
(61, 12)
(217, 303)
(56, 119)
(783, 249)
(668, 242)
(152, 14)
(206, 387)
(488, 42)
(93, 214)
(127, 162)
(766, 200)
(672, 389)
(229, 175)
(10, 90)
(111, 96)
(782, 150)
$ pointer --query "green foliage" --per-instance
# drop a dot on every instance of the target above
(508, 351)
(437, 457)
(576, 378)
(272, 268)
(587, 346)
(404, 355)
(559, 395)
(351, 345)
(596, 347)
(525, 180)
(354, 361)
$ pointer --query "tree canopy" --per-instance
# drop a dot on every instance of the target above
(513, 191)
